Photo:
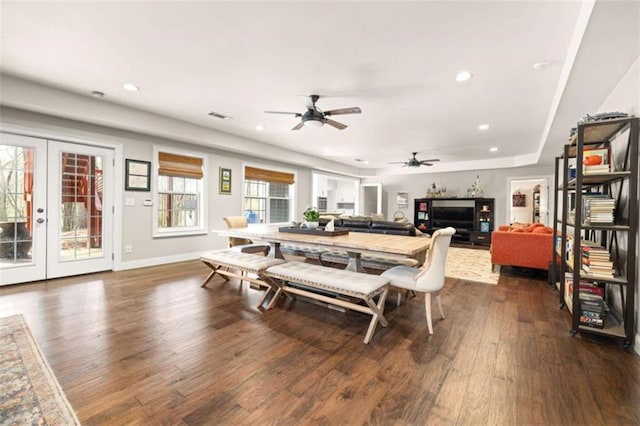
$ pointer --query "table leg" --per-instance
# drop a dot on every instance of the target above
(354, 263)
(274, 251)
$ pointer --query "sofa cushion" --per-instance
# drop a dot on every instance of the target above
(356, 223)
(542, 230)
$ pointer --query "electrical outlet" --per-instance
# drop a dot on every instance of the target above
(128, 249)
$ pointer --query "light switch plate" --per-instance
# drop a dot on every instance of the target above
(130, 202)
(147, 202)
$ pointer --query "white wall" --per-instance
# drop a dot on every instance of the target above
(135, 221)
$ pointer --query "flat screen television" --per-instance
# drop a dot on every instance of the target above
(460, 218)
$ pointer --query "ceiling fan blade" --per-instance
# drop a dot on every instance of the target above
(335, 124)
(284, 112)
(351, 110)
(430, 161)
(425, 164)
(398, 162)
(299, 126)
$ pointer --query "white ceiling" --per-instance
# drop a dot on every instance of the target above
(397, 61)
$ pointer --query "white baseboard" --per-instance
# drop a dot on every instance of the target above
(636, 347)
(134, 264)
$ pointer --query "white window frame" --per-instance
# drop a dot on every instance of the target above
(292, 192)
(203, 199)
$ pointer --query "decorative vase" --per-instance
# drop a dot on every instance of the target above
(311, 225)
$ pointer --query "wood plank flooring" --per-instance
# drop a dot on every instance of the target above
(149, 346)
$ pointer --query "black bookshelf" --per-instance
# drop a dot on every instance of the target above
(473, 218)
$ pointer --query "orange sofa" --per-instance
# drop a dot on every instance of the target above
(528, 246)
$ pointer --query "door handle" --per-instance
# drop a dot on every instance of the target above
(41, 220)
(40, 210)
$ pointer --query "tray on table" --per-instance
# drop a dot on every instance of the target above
(314, 231)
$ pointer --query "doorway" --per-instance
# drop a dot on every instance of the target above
(56, 214)
(528, 200)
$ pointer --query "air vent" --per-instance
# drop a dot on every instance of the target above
(220, 116)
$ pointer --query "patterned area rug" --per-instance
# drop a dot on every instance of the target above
(470, 265)
(30, 392)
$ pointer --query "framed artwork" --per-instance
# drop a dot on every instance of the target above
(225, 181)
(402, 200)
(484, 226)
(519, 200)
(137, 175)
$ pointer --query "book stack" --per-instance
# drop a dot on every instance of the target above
(593, 310)
(598, 209)
(596, 161)
(596, 169)
(596, 261)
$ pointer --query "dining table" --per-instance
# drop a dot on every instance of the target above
(353, 243)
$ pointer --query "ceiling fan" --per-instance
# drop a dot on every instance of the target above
(315, 117)
(414, 162)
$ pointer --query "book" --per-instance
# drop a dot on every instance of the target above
(596, 160)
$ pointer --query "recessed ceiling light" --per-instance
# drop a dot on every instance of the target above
(260, 128)
(97, 94)
(463, 76)
(130, 87)
(483, 127)
(493, 149)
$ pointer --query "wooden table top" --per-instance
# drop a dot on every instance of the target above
(356, 241)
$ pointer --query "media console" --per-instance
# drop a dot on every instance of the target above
(471, 217)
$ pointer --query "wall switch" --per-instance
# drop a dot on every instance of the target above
(147, 202)
(128, 249)
(130, 202)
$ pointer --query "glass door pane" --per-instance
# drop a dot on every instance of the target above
(81, 195)
(22, 201)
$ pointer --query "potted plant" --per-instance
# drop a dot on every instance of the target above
(311, 217)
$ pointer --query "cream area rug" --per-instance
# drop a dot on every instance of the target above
(31, 394)
(470, 265)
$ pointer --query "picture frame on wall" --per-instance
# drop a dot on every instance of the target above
(402, 200)
(225, 181)
(519, 200)
(137, 175)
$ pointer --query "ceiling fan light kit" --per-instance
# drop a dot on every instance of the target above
(315, 117)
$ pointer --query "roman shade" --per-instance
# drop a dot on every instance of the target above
(253, 173)
(177, 165)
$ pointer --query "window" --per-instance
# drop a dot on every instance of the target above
(268, 195)
(180, 194)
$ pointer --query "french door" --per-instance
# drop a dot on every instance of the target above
(56, 214)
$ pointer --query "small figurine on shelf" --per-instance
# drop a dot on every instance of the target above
(475, 190)
(436, 191)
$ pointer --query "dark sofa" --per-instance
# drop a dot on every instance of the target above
(372, 226)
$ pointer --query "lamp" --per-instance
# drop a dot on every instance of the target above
(313, 118)
(313, 122)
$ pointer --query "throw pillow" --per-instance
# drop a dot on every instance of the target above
(542, 230)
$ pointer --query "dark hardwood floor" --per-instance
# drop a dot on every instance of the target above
(149, 346)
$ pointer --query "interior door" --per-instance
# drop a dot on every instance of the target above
(23, 198)
(80, 205)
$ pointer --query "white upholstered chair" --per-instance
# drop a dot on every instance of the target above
(430, 277)
(243, 245)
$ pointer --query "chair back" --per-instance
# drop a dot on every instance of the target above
(236, 222)
(431, 278)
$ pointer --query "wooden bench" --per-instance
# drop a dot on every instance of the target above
(356, 286)
(244, 262)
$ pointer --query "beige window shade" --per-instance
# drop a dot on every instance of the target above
(253, 173)
(180, 165)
